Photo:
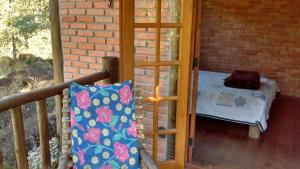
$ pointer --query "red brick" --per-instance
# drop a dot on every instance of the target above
(77, 11)
(114, 41)
(84, 19)
(103, 34)
(65, 38)
(101, 5)
(71, 57)
(84, 5)
(96, 53)
(93, 26)
(79, 39)
(67, 5)
(95, 12)
(71, 70)
(104, 19)
(69, 45)
(65, 25)
(112, 27)
(66, 51)
(68, 32)
(78, 25)
(85, 33)
(87, 59)
(87, 46)
(64, 12)
(87, 71)
(68, 18)
(67, 63)
(80, 64)
(104, 47)
(68, 76)
(78, 52)
(95, 66)
(111, 12)
(96, 40)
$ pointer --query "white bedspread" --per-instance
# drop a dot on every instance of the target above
(237, 105)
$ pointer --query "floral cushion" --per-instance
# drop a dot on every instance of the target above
(104, 132)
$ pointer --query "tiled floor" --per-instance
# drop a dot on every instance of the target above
(224, 145)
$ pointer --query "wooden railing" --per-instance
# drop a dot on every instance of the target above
(14, 104)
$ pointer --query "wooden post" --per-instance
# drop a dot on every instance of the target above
(254, 131)
(19, 137)
(44, 133)
(111, 65)
(57, 58)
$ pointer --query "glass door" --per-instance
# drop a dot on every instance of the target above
(155, 53)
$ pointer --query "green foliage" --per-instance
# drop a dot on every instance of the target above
(21, 20)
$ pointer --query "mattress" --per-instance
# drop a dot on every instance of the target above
(244, 106)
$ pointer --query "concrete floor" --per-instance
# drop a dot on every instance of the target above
(225, 145)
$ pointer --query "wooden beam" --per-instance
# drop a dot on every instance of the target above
(127, 39)
(19, 137)
(23, 98)
(57, 58)
(183, 81)
(111, 65)
(196, 45)
(42, 115)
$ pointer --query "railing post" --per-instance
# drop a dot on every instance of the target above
(19, 137)
(111, 65)
(41, 107)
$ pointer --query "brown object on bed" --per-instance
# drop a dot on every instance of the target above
(243, 80)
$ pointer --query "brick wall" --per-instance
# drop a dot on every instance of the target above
(90, 30)
(259, 35)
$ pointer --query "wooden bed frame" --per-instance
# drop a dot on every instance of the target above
(254, 131)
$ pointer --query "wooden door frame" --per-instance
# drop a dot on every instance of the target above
(185, 53)
(195, 61)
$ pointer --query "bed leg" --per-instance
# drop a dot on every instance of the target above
(254, 131)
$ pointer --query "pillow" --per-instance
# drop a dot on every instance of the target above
(103, 127)
(243, 80)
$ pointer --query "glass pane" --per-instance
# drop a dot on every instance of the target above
(148, 143)
(167, 115)
(145, 11)
(148, 116)
(144, 44)
(166, 147)
(170, 11)
(168, 79)
(144, 80)
(169, 44)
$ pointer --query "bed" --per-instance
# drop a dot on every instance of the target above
(250, 107)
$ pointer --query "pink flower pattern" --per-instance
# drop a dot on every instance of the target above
(121, 151)
(103, 123)
(73, 118)
(104, 114)
(93, 135)
(125, 95)
(132, 130)
(83, 100)
(81, 157)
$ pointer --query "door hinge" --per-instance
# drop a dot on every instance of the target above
(191, 141)
(195, 62)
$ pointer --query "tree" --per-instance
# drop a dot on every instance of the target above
(20, 20)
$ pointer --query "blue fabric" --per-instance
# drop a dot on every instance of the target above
(103, 127)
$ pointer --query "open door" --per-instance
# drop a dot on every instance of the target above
(155, 38)
(195, 73)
